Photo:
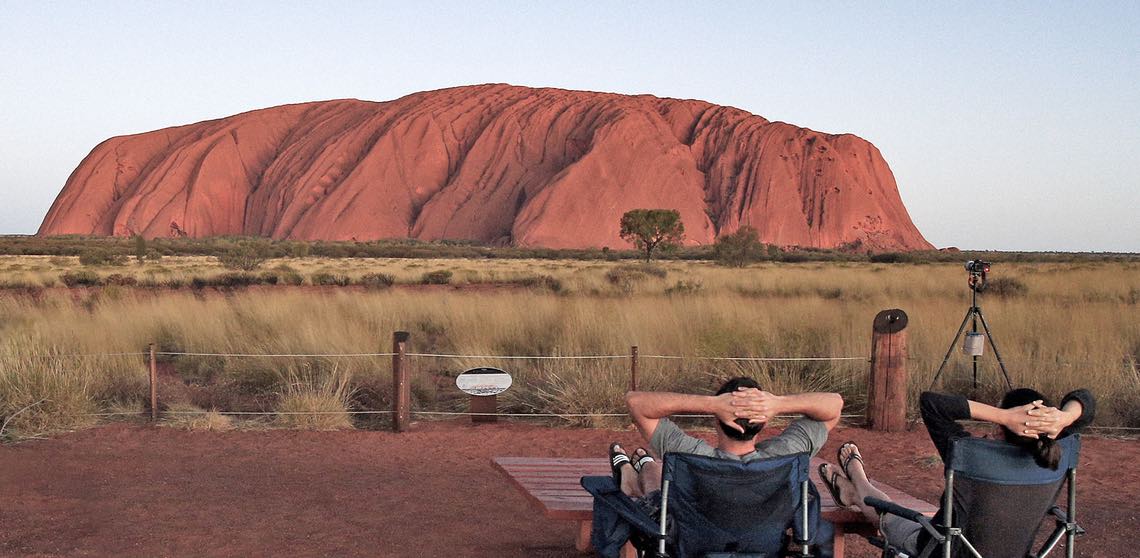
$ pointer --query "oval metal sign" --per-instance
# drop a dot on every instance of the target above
(483, 381)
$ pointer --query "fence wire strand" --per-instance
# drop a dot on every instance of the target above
(459, 356)
(280, 355)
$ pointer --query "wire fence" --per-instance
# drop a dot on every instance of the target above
(1127, 367)
(1125, 360)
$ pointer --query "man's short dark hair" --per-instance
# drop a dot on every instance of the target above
(750, 430)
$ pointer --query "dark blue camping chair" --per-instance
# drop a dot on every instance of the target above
(713, 507)
(996, 497)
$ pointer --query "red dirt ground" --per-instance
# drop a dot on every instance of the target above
(125, 490)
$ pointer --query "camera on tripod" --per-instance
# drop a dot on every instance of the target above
(978, 266)
(978, 270)
(974, 343)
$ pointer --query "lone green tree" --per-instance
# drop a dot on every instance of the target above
(739, 248)
(649, 229)
(140, 249)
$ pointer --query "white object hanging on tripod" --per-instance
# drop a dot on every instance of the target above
(974, 343)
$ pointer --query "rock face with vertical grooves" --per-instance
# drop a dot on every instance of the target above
(497, 164)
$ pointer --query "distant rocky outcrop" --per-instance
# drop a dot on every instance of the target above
(492, 163)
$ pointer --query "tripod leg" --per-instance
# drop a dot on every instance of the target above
(990, 336)
(953, 342)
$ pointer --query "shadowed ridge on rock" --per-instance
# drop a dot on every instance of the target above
(493, 163)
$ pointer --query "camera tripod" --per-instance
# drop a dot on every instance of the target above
(975, 315)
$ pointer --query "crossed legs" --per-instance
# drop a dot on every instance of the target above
(638, 481)
(854, 486)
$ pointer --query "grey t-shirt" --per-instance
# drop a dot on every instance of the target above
(802, 435)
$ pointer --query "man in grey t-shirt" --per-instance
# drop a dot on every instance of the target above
(741, 409)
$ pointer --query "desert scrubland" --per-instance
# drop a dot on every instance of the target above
(1058, 326)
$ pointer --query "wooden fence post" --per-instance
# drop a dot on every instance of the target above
(633, 368)
(887, 381)
(153, 385)
(401, 391)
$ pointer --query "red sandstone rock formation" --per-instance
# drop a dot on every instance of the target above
(493, 163)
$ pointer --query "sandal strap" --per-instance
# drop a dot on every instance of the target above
(641, 461)
(853, 456)
(619, 459)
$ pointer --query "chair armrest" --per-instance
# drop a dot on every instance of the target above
(1059, 513)
(886, 506)
(1063, 519)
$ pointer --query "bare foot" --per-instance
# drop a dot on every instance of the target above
(847, 493)
(628, 483)
(641, 457)
(852, 462)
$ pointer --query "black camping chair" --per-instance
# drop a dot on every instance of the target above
(996, 497)
(714, 508)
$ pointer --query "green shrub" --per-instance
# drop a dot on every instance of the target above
(1006, 287)
(236, 280)
(269, 278)
(889, 257)
(231, 279)
(377, 280)
(121, 280)
(553, 284)
(80, 279)
(244, 258)
(330, 279)
(739, 248)
(101, 256)
(299, 250)
(441, 277)
(291, 278)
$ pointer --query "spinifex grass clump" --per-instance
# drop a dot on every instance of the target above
(191, 417)
(315, 400)
(41, 395)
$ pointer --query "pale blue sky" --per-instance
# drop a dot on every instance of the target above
(1012, 126)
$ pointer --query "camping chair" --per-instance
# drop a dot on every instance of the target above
(714, 508)
(997, 496)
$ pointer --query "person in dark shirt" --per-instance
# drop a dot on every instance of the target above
(1025, 417)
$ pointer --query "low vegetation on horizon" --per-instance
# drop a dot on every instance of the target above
(1058, 326)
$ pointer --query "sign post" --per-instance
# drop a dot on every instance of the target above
(483, 385)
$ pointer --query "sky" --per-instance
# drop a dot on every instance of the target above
(1008, 126)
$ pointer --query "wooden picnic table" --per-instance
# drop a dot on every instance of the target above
(553, 486)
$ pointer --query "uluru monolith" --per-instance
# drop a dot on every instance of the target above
(497, 164)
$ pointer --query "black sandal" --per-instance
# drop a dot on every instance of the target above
(642, 460)
(831, 485)
(617, 459)
(855, 456)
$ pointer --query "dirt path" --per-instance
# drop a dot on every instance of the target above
(122, 490)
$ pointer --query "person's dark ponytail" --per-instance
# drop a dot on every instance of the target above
(1046, 452)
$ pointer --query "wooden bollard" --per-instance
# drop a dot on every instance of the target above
(633, 368)
(483, 408)
(887, 381)
(401, 391)
(153, 384)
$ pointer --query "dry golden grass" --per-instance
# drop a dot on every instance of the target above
(1078, 325)
(315, 399)
(190, 417)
